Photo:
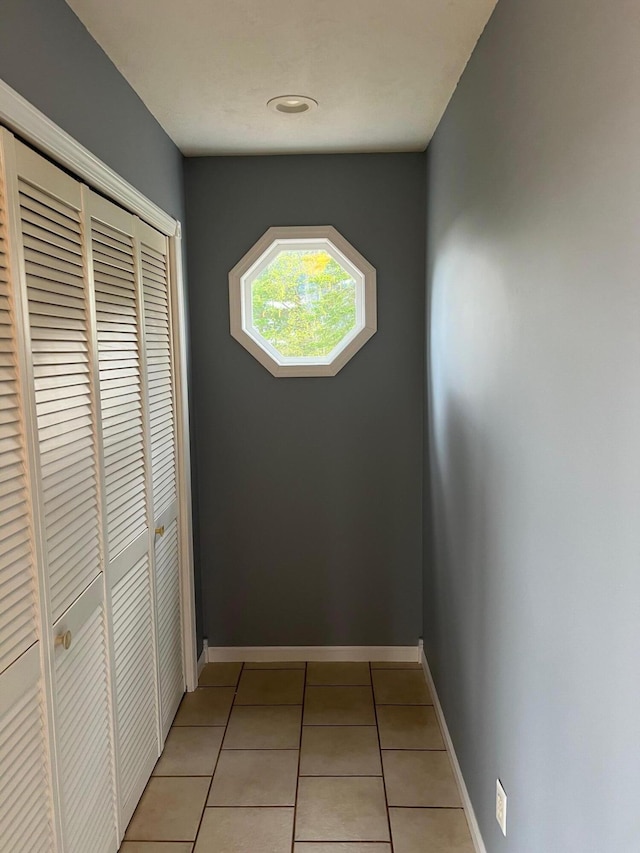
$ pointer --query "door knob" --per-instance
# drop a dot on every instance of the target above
(64, 640)
(160, 531)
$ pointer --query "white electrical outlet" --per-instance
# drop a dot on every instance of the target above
(501, 807)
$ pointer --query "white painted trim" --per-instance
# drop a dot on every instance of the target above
(204, 657)
(33, 126)
(403, 654)
(470, 814)
(258, 257)
(178, 319)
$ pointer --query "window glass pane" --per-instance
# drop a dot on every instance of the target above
(303, 303)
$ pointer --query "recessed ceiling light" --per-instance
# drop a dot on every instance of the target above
(291, 104)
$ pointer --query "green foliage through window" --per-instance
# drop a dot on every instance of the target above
(304, 303)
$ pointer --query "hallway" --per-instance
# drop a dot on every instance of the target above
(319, 341)
(348, 754)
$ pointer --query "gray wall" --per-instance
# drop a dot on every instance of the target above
(532, 597)
(310, 489)
(47, 55)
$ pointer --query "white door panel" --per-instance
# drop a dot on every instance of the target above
(115, 279)
(83, 729)
(17, 570)
(135, 678)
(57, 316)
(162, 445)
(25, 803)
(53, 255)
(170, 631)
(113, 267)
(26, 791)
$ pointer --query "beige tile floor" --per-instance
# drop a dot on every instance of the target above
(303, 758)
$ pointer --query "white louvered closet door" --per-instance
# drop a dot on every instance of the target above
(114, 273)
(163, 484)
(91, 656)
(25, 800)
(58, 306)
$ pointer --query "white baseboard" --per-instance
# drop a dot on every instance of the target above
(204, 657)
(474, 829)
(402, 654)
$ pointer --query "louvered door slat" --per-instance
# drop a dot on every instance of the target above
(17, 569)
(53, 251)
(45, 214)
(118, 412)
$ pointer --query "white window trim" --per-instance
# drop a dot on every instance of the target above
(259, 256)
(21, 117)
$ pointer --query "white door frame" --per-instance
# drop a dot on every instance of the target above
(21, 117)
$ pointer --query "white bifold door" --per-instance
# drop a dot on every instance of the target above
(91, 657)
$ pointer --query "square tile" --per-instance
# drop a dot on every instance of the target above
(341, 809)
(395, 664)
(340, 751)
(337, 847)
(170, 810)
(264, 727)
(435, 830)
(245, 831)
(190, 751)
(409, 727)
(220, 675)
(400, 687)
(352, 672)
(339, 706)
(156, 847)
(419, 779)
(275, 664)
(206, 706)
(255, 777)
(272, 687)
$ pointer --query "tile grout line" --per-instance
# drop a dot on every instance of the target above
(295, 802)
(314, 840)
(384, 783)
(215, 766)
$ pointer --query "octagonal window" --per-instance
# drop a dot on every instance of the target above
(302, 301)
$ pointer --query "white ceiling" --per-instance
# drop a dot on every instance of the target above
(382, 70)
